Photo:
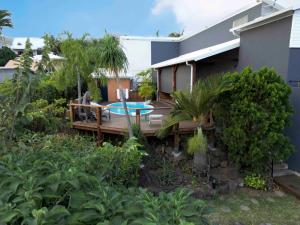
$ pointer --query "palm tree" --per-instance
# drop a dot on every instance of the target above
(5, 20)
(114, 60)
(197, 106)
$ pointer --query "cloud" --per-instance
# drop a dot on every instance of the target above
(194, 15)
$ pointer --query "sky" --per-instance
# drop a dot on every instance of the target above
(123, 17)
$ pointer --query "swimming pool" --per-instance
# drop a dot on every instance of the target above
(131, 108)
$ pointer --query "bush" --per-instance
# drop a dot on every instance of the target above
(60, 184)
(40, 116)
(255, 113)
(6, 54)
(256, 182)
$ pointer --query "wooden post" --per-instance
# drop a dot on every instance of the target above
(99, 133)
(71, 115)
(138, 117)
(158, 77)
(176, 137)
(174, 71)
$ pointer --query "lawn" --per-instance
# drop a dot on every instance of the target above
(250, 207)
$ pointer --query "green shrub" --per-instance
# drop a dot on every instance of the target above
(255, 113)
(53, 184)
(6, 54)
(256, 182)
(197, 143)
(40, 116)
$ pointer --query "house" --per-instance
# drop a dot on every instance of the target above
(18, 45)
(263, 34)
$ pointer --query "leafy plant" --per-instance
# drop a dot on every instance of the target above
(197, 143)
(146, 88)
(6, 54)
(255, 113)
(59, 183)
(40, 116)
(256, 181)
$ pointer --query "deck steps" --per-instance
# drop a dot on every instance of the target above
(290, 184)
(281, 170)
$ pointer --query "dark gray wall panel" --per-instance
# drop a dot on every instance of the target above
(219, 64)
(267, 45)
(293, 131)
(217, 34)
(183, 78)
(161, 51)
(294, 65)
(166, 80)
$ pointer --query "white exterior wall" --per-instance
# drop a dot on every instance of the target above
(138, 53)
(295, 34)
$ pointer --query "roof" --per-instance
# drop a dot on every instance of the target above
(162, 39)
(263, 20)
(51, 56)
(20, 42)
(14, 64)
(200, 54)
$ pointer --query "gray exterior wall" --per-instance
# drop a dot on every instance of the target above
(166, 80)
(219, 64)
(183, 78)
(6, 73)
(293, 78)
(267, 45)
(161, 51)
(217, 34)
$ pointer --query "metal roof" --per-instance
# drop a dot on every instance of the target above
(200, 54)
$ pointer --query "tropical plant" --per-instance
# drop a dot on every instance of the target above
(197, 146)
(114, 60)
(255, 113)
(77, 68)
(256, 182)
(146, 88)
(196, 105)
(62, 181)
(5, 20)
(40, 116)
(6, 54)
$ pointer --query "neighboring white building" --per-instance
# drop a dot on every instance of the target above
(18, 45)
(138, 52)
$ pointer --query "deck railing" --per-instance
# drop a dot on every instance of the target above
(98, 109)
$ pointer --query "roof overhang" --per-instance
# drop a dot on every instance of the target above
(200, 54)
(263, 21)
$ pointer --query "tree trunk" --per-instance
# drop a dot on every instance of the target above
(79, 91)
(200, 162)
(123, 100)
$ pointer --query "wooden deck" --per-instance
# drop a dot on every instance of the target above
(289, 183)
(117, 124)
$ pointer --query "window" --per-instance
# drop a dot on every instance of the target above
(240, 21)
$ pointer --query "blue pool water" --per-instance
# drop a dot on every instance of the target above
(131, 108)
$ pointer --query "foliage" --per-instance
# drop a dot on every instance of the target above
(146, 88)
(195, 105)
(138, 134)
(6, 54)
(255, 113)
(176, 34)
(197, 143)
(113, 59)
(40, 116)
(79, 65)
(255, 181)
(5, 20)
(46, 90)
(57, 184)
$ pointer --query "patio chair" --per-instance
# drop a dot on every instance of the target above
(105, 113)
(155, 119)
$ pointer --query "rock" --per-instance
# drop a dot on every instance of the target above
(233, 185)
(214, 162)
(279, 193)
(177, 158)
(223, 189)
(238, 223)
(224, 164)
(244, 208)
(225, 174)
(226, 210)
(254, 201)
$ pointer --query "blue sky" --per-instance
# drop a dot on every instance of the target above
(125, 17)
